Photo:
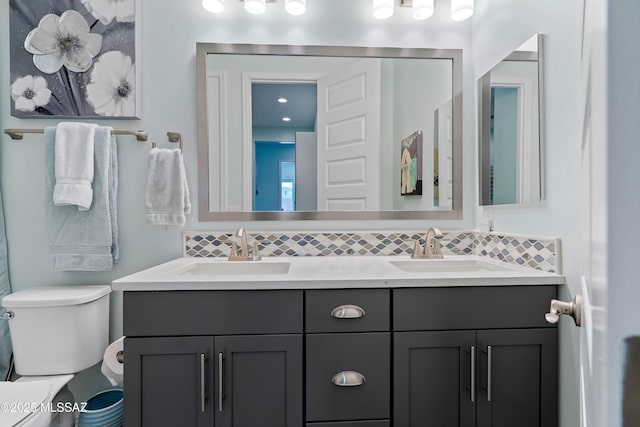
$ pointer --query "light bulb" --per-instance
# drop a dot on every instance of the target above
(213, 6)
(382, 9)
(422, 9)
(255, 6)
(461, 9)
(295, 7)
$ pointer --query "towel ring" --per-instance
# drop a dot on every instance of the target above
(173, 137)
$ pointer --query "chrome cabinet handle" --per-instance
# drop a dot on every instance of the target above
(348, 379)
(473, 373)
(347, 311)
(220, 382)
(488, 373)
(202, 381)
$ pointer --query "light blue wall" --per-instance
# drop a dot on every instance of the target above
(267, 173)
(499, 27)
(170, 30)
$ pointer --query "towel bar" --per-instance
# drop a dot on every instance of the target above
(17, 134)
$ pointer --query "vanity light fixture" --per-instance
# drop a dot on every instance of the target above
(295, 7)
(255, 7)
(286, 119)
(382, 9)
(213, 6)
(422, 9)
(461, 9)
(282, 100)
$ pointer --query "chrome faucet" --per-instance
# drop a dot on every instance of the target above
(431, 248)
(244, 253)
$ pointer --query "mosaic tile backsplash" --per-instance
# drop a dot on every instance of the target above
(541, 254)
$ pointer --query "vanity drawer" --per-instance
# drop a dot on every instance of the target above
(367, 354)
(376, 423)
(180, 313)
(348, 310)
(486, 307)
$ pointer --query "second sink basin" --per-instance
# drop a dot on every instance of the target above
(227, 268)
(447, 266)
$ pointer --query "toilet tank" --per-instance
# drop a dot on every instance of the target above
(58, 329)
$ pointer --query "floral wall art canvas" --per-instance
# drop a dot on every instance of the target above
(73, 58)
(411, 165)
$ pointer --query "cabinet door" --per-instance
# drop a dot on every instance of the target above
(258, 381)
(169, 382)
(518, 374)
(433, 379)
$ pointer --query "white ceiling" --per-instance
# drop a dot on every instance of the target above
(300, 105)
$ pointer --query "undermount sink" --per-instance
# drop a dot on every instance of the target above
(447, 266)
(234, 268)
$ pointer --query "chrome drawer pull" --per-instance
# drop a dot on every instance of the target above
(347, 311)
(348, 379)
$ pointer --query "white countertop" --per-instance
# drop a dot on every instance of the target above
(331, 272)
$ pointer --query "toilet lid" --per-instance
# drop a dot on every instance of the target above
(20, 399)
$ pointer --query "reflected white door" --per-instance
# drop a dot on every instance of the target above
(594, 287)
(349, 138)
(445, 156)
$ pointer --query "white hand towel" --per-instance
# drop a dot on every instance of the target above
(73, 165)
(167, 191)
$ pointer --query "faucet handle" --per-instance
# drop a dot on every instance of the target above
(255, 253)
(234, 249)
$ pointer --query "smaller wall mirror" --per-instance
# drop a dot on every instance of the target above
(510, 128)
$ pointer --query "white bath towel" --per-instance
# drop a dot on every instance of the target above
(167, 191)
(74, 164)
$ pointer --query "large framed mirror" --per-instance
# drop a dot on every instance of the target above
(511, 166)
(329, 133)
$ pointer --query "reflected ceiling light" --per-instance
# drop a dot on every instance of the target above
(286, 119)
(461, 9)
(255, 6)
(213, 6)
(422, 9)
(295, 7)
(382, 9)
(282, 100)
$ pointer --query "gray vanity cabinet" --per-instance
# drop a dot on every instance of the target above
(432, 379)
(259, 381)
(348, 357)
(448, 371)
(517, 378)
(243, 367)
(475, 356)
(169, 381)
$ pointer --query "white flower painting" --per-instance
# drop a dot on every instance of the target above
(111, 90)
(73, 58)
(64, 40)
(107, 10)
(28, 93)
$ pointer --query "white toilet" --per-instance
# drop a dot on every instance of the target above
(56, 332)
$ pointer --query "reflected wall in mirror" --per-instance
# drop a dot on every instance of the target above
(510, 128)
(313, 132)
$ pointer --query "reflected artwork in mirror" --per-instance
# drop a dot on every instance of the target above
(313, 132)
(510, 128)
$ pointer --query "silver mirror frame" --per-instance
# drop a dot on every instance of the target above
(204, 49)
(484, 125)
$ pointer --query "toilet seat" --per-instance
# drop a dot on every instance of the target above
(21, 400)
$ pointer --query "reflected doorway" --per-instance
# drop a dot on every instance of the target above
(283, 121)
